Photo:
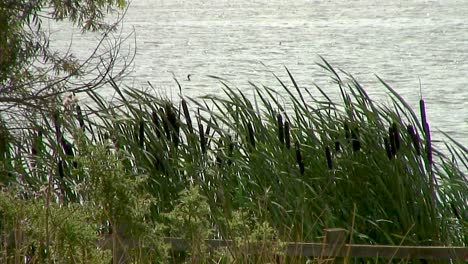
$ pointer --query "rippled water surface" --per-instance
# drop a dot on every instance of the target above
(401, 41)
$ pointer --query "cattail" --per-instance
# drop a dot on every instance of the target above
(201, 132)
(280, 128)
(155, 118)
(287, 134)
(68, 150)
(392, 141)
(141, 134)
(414, 139)
(187, 116)
(328, 156)
(67, 147)
(173, 122)
(355, 140)
(388, 148)
(337, 146)
(299, 159)
(396, 136)
(60, 169)
(79, 116)
(251, 135)
(429, 145)
(422, 109)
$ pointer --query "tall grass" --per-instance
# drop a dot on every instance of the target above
(300, 165)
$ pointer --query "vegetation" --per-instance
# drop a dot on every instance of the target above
(107, 181)
(33, 74)
(143, 167)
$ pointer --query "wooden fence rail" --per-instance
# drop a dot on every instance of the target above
(334, 246)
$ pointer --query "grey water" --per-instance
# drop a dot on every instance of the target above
(411, 44)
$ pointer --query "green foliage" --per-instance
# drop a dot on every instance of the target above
(254, 171)
(66, 234)
(190, 220)
(326, 166)
(31, 72)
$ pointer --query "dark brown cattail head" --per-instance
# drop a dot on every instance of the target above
(251, 135)
(155, 118)
(355, 139)
(392, 143)
(287, 134)
(396, 136)
(299, 159)
(201, 133)
(173, 122)
(187, 116)
(422, 109)
(388, 148)
(202, 138)
(279, 119)
(428, 144)
(329, 159)
(415, 139)
(141, 134)
(67, 147)
(337, 146)
(79, 116)
(60, 169)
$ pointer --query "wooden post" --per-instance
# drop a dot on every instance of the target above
(335, 239)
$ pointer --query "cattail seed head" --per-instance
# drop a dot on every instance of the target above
(428, 144)
(422, 109)
(328, 156)
(141, 134)
(415, 139)
(67, 147)
(355, 140)
(202, 138)
(173, 123)
(60, 169)
(299, 159)
(337, 146)
(251, 135)
(388, 148)
(396, 136)
(279, 119)
(287, 135)
(392, 143)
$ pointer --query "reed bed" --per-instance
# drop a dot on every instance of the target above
(298, 165)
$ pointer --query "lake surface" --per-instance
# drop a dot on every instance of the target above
(246, 40)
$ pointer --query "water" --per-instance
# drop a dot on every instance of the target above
(245, 40)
